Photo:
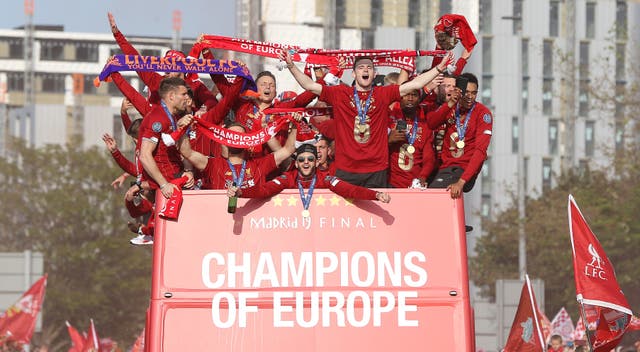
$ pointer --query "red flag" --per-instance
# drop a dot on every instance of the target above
(93, 342)
(138, 346)
(525, 334)
(19, 321)
(562, 325)
(605, 307)
(77, 340)
(545, 326)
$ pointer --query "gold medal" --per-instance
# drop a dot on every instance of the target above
(362, 128)
(411, 149)
(460, 144)
(306, 213)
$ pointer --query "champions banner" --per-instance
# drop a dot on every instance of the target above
(119, 63)
(403, 59)
(238, 139)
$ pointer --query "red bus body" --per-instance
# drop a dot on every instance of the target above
(354, 276)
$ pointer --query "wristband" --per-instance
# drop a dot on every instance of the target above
(161, 187)
(443, 71)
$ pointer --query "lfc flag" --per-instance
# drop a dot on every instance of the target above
(605, 308)
(635, 324)
(526, 334)
(77, 340)
(19, 321)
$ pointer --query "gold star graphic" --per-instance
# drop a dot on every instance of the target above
(320, 200)
(335, 200)
(348, 202)
(277, 201)
(292, 201)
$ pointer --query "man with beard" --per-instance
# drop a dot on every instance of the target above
(162, 163)
(469, 126)
(411, 153)
(361, 116)
(306, 179)
(221, 173)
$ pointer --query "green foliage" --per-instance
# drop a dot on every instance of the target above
(58, 201)
(610, 201)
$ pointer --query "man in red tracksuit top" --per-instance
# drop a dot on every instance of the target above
(466, 139)
(305, 178)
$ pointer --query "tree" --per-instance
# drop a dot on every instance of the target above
(58, 201)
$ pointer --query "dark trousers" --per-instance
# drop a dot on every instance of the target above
(376, 179)
(450, 175)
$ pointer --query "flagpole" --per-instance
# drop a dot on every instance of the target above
(583, 315)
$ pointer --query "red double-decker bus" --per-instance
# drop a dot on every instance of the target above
(353, 276)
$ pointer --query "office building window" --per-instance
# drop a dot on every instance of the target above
(553, 137)
(445, 7)
(52, 83)
(621, 19)
(525, 95)
(485, 174)
(554, 18)
(547, 96)
(525, 177)
(620, 62)
(376, 13)
(619, 135)
(525, 57)
(515, 135)
(589, 138)
(51, 50)
(583, 69)
(583, 166)
(16, 48)
(590, 20)
(485, 208)
(15, 81)
(620, 98)
(89, 88)
(547, 59)
(583, 98)
(546, 174)
(414, 13)
(517, 15)
(485, 16)
(486, 90)
(150, 52)
(341, 10)
(87, 52)
(486, 55)
(117, 129)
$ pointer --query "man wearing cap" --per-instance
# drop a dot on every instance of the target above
(305, 178)
(221, 173)
(361, 117)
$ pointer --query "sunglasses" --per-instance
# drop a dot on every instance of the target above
(310, 159)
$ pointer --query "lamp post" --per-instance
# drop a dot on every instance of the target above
(522, 236)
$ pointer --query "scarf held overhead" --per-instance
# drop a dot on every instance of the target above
(119, 63)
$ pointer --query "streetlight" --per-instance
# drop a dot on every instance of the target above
(522, 237)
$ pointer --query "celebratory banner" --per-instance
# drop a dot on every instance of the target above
(77, 340)
(238, 139)
(19, 321)
(403, 59)
(604, 307)
(353, 275)
(526, 334)
(562, 325)
(120, 62)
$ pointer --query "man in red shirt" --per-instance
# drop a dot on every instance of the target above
(469, 126)
(325, 163)
(160, 162)
(306, 179)
(410, 143)
(361, 118)
(221, 173)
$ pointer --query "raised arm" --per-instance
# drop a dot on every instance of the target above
(197, 160)
(306, 82)
(422, 79)
(289, 147)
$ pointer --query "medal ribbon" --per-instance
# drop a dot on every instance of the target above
(362, 112)
(171, 119)
(414, 130)
(463, 129)
(306, 199)
(237, 180)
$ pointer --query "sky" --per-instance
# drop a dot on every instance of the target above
(134, 17)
